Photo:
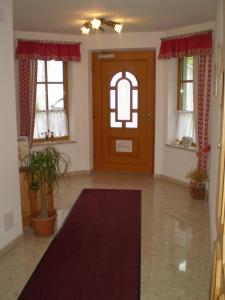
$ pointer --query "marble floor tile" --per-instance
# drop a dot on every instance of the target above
(175, 250)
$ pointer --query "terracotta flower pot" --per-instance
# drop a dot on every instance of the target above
(197, 190)
(44, 227)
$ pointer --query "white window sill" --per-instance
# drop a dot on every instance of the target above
(49, 143)
(180, 147)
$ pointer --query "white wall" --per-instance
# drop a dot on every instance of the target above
(81, 99)
(81, 96)
(10, 211)
(215, 130)
(176, 162)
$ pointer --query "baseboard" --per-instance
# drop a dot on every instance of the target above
(170, 179)
(80, 172)
(11, 245)
(167, 178)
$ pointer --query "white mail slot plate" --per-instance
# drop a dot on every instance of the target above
(123, 146)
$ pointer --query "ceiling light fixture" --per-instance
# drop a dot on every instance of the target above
(118, 27)
(97, 24)
(85, 30)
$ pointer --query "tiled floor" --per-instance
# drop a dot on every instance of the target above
(175, 258)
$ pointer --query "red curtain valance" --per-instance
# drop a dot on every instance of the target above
(47, 51)
(198, 44)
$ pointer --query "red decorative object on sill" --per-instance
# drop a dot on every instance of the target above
(197, 190)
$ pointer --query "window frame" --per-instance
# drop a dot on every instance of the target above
(133, 86)
(180, 82)
(66, 101)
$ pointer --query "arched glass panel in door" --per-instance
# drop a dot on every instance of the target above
(123, 102)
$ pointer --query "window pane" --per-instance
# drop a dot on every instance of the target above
(124, 100)
(132, 78)
(112, 99)
(55, 97)
(187, 96)
(113, 123)
(185, 125)
(134, 123)
(41, 97)
(40, 125)
(135, 99)
(55, 71)
(41, 71)
(188, 68)
(58, 123)
(115, 78)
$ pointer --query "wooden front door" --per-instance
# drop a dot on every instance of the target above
(123, 111)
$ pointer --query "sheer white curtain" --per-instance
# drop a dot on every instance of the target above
(56, 120)
(187, 120)
(185, 125)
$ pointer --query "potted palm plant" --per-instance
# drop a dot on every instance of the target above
(44, 169)
(197, 184)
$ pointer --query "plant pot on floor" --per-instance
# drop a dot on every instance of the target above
(44, 170)
(197, 184)
(44, 227)
(197, 190)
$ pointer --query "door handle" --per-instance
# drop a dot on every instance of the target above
(147, 116)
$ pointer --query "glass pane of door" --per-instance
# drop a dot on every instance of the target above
(123, 100)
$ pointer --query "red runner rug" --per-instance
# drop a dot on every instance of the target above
(96, 254)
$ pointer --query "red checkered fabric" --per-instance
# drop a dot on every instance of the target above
(203, 104)
(199, 45)
(186, 45)
(27, 96)
(45, 50)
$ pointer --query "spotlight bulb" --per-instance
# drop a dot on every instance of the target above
(95, 23)
(118, 27)
(85, 30)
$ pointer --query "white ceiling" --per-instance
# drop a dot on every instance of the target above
(67, 16)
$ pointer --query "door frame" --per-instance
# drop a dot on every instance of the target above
(96, 95)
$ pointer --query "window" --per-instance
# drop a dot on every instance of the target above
(185, 103)
(51, 116)
(123, 101)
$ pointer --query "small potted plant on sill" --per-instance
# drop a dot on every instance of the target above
(44, 169)
(197, 184)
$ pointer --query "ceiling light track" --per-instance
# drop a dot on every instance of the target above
(98, 23)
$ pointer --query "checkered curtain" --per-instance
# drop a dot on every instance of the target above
(199, 46)
(27, 96)
(204, 63)
(28, 53)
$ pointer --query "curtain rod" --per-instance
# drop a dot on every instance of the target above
(185, 35)
(49, 41)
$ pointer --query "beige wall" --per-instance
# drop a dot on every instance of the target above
(168, 161)
(215, 129)
(80, 89)
(10, 212)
